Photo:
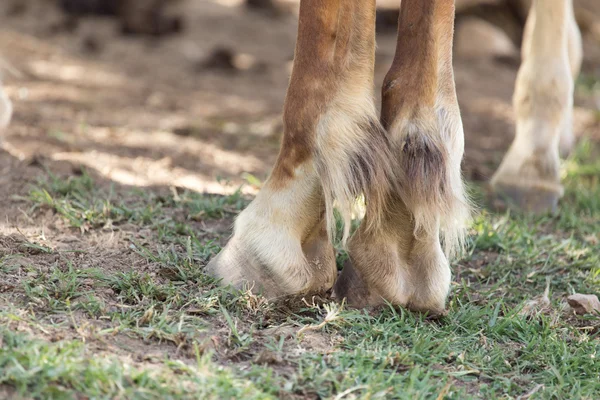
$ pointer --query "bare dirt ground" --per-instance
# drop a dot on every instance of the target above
(140, 113)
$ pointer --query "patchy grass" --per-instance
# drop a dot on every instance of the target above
(71, 327)
(84, 206)
(58, 370)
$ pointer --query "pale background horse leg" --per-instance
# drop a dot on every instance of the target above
(528, 176)
(5, 109)
(575, 53)
(333, 149)
(405, 262)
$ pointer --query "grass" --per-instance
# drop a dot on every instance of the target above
(44, 370)
(159, 328)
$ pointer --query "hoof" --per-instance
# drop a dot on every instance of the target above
(239, 269)
(536, 199)
(381, 272)
(276, 270)
(352, 287)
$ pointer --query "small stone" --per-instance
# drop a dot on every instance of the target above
(584, 303)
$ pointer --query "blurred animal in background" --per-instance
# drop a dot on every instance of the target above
(145, 17)
(406, 162)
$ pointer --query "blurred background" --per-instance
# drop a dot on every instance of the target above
(189, 93)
